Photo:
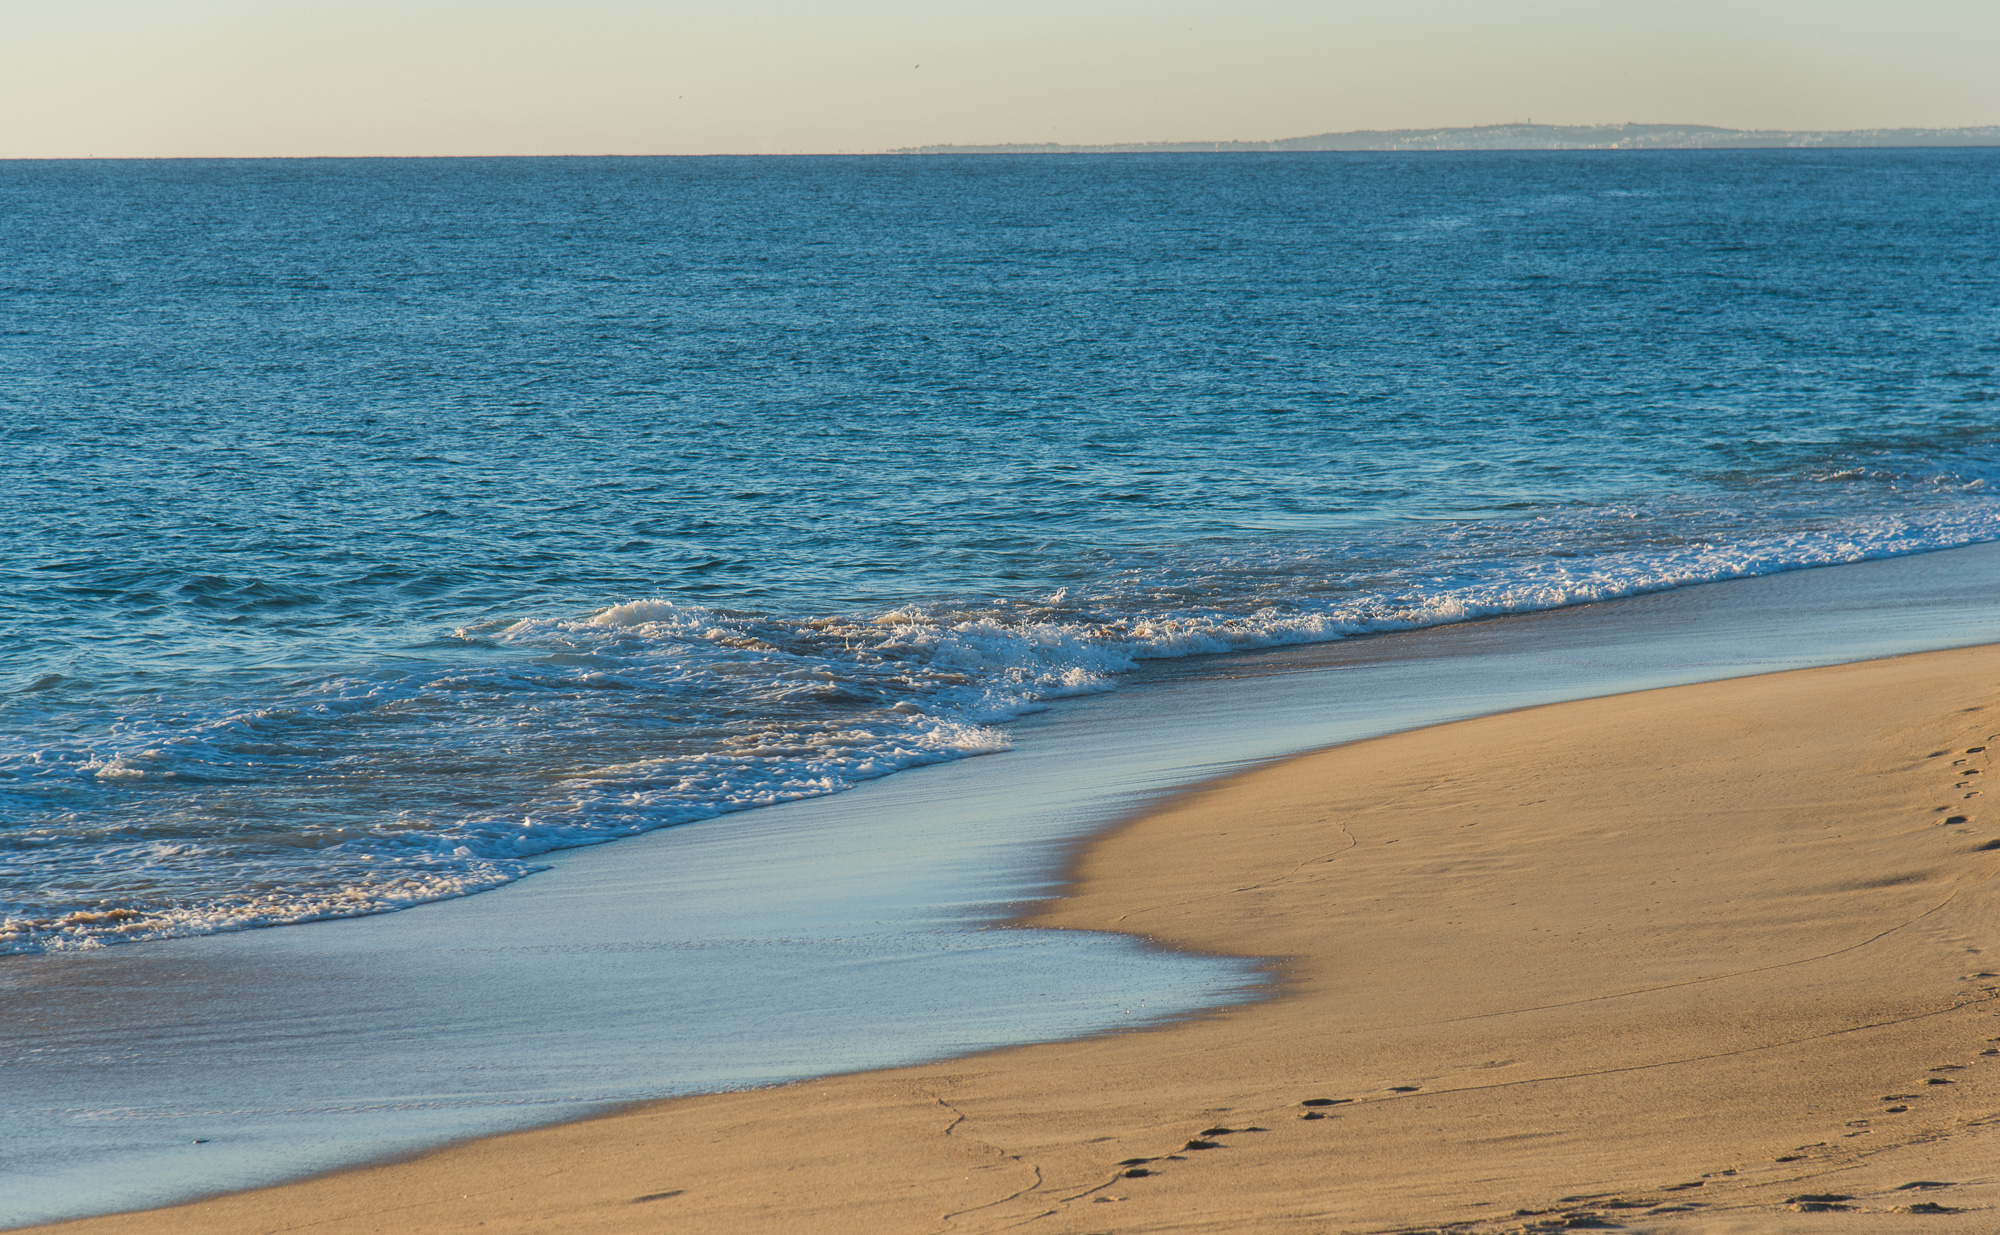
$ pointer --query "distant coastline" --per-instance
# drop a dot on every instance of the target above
(1527, 137)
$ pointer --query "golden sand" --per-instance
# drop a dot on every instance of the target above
(1707, 958)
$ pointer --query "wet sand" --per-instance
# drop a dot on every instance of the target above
(1702, 958)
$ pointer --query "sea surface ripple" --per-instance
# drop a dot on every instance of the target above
(376, 526)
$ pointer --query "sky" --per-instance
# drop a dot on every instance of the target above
(158, 78)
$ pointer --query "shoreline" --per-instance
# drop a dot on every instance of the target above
(1572, 1056)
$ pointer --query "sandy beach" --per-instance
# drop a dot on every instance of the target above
(1711, 957)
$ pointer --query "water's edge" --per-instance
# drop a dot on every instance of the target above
(840, 934)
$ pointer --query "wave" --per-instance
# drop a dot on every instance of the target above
(454, 776)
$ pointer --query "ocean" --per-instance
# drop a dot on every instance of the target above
(377, 528)
(383, 532)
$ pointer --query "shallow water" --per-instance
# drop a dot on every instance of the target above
(378, 527)
(850, 931)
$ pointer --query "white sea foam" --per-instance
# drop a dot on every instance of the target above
(654, 712)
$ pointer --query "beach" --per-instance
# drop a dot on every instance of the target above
(1696, 958)
(481, 664)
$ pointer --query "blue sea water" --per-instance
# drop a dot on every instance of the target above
(375, 527)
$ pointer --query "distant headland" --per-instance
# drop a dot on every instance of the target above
(1529, 137)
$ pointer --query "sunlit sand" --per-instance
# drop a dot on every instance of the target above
(1699, 958)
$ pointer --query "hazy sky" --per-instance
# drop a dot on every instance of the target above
(287, 77)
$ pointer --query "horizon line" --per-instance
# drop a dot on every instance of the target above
(1553, 138)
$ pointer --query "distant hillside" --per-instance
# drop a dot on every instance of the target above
(1532, 137)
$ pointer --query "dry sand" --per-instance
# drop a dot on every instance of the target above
(1669, 961)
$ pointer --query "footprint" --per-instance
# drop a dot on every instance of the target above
(1135, 1162)
(1922, 1185)
(1939, 1080)
(656, 1196)
(1312, 1115)
(1931, 1207)
(1973, 750)
(1208, 1132)
(1202, 1145)
(1325, 1101)
(1949, 1067)
(1404, 1088)
(1893, 1110)
(1950, 819)
(1988, 847)
(1137, 1172)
